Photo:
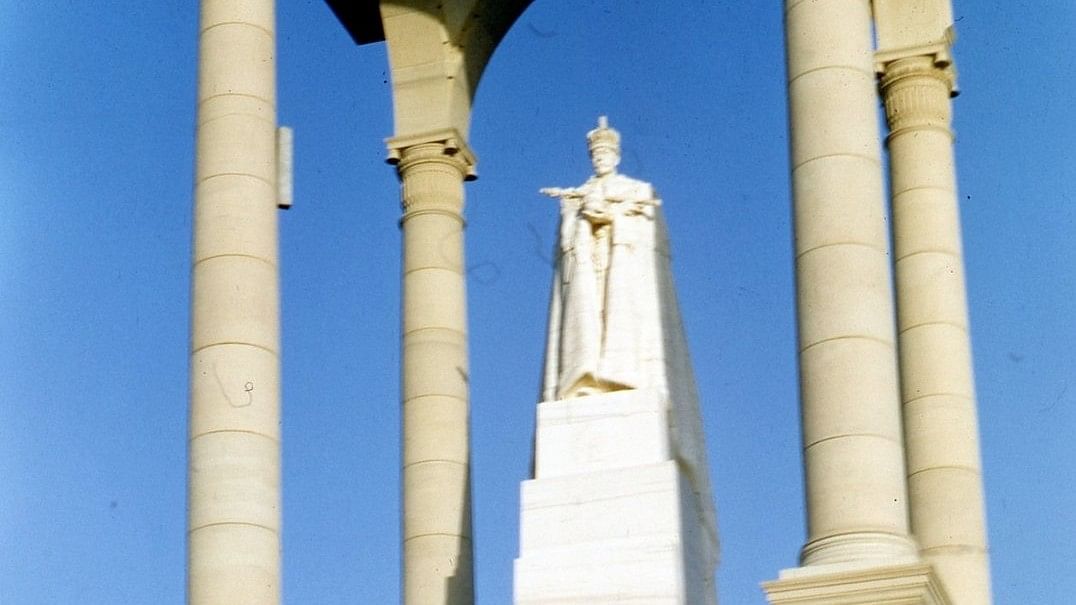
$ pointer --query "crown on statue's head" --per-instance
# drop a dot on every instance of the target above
(603, 137)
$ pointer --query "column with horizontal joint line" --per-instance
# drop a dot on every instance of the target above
(856, 498)
(437, 547)
(858, 543)
(941, 427)
(234, 512)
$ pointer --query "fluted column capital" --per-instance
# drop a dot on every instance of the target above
(916, 91)
(432, 168)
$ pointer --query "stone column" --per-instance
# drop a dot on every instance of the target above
(234, 450)
(852, 439)
(941, 432)
(437, 549)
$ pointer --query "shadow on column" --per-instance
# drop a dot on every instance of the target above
(459, 587)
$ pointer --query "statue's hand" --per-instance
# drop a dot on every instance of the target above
(642, 207)
(597, 216)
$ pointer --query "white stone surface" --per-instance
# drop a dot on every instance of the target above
(586, 434)
(902, 24)
(941, 435)
(437, 53)
(620, 509)
(437, 545)
(865, 471)
(233, 523)
(636, 338)
(603, 297)
(624, 525)
(852, 439)
(895, 583)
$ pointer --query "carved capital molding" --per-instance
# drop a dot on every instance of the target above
(445, 146)
(940, 54)
(432, 167)
(916, 92)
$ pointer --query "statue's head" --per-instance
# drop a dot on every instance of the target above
(604, 145)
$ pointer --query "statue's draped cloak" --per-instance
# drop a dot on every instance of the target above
(637, 341)
(597, 334)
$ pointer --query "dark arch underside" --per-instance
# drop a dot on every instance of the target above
(362, 18)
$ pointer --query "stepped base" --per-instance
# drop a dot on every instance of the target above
(610, 517)
(850, 584)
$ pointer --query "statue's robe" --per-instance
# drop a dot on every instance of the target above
(632, 337)
(602, 291)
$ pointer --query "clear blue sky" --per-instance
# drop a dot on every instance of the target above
(96, 143)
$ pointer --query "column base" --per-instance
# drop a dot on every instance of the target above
(862, 548)
(852, 584)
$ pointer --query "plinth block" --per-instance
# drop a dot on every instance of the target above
(856, 584)
(611, 517)
(632, 535)
(601, 432)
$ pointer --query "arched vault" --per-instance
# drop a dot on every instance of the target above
(437, 53)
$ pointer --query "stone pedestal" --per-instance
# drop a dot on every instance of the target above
(612, 516)
(911, 583)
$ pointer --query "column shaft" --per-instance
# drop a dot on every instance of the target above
(853, 453)
(234, 449)
(941, 428)
(437, 550)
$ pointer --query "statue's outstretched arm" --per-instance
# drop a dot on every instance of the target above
(561, 192)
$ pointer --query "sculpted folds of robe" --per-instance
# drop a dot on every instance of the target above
(601, 288)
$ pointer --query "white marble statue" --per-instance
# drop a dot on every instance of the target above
(605, 256)
(619, 507)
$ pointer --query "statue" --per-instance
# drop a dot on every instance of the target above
(618, 424)
(605, 253)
